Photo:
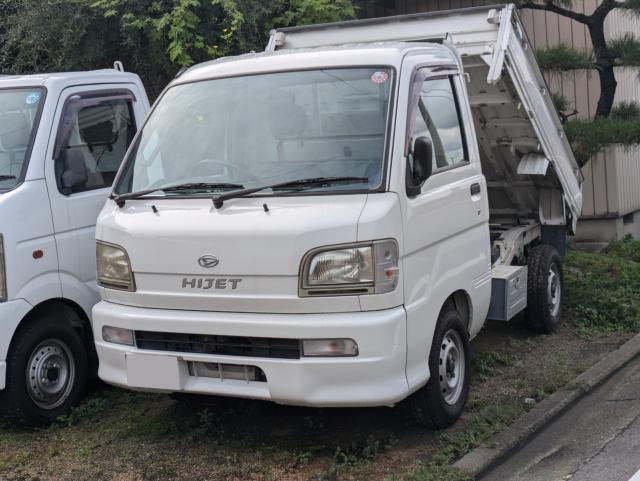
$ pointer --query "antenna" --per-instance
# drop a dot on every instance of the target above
(117, 65)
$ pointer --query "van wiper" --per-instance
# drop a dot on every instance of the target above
(7, 177)
(120, 199)
(218, 200)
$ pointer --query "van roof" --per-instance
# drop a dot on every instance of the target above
(66, 79)
(370, 54)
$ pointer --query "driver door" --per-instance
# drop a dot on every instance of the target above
(94, 127)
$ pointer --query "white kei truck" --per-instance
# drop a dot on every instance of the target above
(62, 139)
(329, 222)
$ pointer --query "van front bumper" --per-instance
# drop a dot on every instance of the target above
(375, 377)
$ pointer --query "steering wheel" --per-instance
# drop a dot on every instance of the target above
(203, 168)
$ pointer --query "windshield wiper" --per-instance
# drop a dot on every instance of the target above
(7, 177)
(120, 199)
(202, 186)
(218, 200)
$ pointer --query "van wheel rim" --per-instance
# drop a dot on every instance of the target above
(50, 374)
(554, 290)
(452, 367)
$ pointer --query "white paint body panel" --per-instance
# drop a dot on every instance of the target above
(35, 216)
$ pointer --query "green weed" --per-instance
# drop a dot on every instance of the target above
(360, 451)
(489, 421)
(603, 289)
(488, 363)
(88, 409)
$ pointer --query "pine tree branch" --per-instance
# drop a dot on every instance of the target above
(632, 6)
(625, 50)
(550, 6)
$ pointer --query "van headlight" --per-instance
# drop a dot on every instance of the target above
(113, 267)
(354, 269)
(3, 272)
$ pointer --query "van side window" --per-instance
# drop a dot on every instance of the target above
(101, 132)
(438, 119)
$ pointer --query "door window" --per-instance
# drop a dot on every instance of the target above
(438, 119)
(95, 135)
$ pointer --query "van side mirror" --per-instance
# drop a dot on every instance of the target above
(74, 171)
(422, 166)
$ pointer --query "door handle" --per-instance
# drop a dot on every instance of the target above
(475, 189)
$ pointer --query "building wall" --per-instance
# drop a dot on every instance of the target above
(612, 179)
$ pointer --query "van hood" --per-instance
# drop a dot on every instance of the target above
(259, 249)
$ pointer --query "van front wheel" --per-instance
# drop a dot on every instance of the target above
(46, 373)
(441, 401)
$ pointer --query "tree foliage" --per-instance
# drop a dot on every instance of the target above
(154, 38)
(562, 58)
(607, 55)
(588, 137)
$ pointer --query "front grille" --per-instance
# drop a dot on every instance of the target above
(221, 345)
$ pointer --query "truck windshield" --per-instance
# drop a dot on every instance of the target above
(244, 132)
(19, 111)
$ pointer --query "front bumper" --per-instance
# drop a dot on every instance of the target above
(376, 377)
(11, 314)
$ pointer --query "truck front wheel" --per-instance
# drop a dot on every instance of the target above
(46, 373)
(545, 285)
(441, 401)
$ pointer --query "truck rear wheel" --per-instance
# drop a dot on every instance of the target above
(46, 373)
(441, 401)
(545, 288)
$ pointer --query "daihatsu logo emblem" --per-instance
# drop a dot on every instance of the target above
(208, 261)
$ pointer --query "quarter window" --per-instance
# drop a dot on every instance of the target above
(438, 119)
(98, 133)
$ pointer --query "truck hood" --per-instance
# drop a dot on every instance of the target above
(258, 249)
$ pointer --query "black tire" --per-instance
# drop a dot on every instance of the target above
(429, 406)
(545, 289)
(55, 350)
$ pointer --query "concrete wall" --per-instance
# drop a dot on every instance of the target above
(612, 179)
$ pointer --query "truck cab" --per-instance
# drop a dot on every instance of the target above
(62, 139)
(328, 223)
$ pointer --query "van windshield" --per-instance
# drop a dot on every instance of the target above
(244, 132)
(19, 111)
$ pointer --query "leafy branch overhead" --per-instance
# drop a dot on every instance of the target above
(606, 54)
(154, 38)
(197, 30)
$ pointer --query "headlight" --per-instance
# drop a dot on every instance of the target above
(3, 273)
(113, 267)
(365, 268)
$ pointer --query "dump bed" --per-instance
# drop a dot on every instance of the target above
(527, 160)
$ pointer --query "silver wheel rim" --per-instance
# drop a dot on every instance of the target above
(451, 367)
(50, 374)
(554, 290)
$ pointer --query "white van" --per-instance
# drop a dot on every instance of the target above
(62, 139)
(329, 223)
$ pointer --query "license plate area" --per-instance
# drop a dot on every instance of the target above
(156, 372)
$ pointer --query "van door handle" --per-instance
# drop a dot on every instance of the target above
(475, 189)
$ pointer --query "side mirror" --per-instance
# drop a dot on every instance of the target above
(422, 166)
(74, 171)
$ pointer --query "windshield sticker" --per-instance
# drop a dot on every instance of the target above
(32, 98)
(379, 77)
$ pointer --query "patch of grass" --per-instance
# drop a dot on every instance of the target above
(602, 289)
(360, 451)
(88, 409)
(489, 421)
(488, 363)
